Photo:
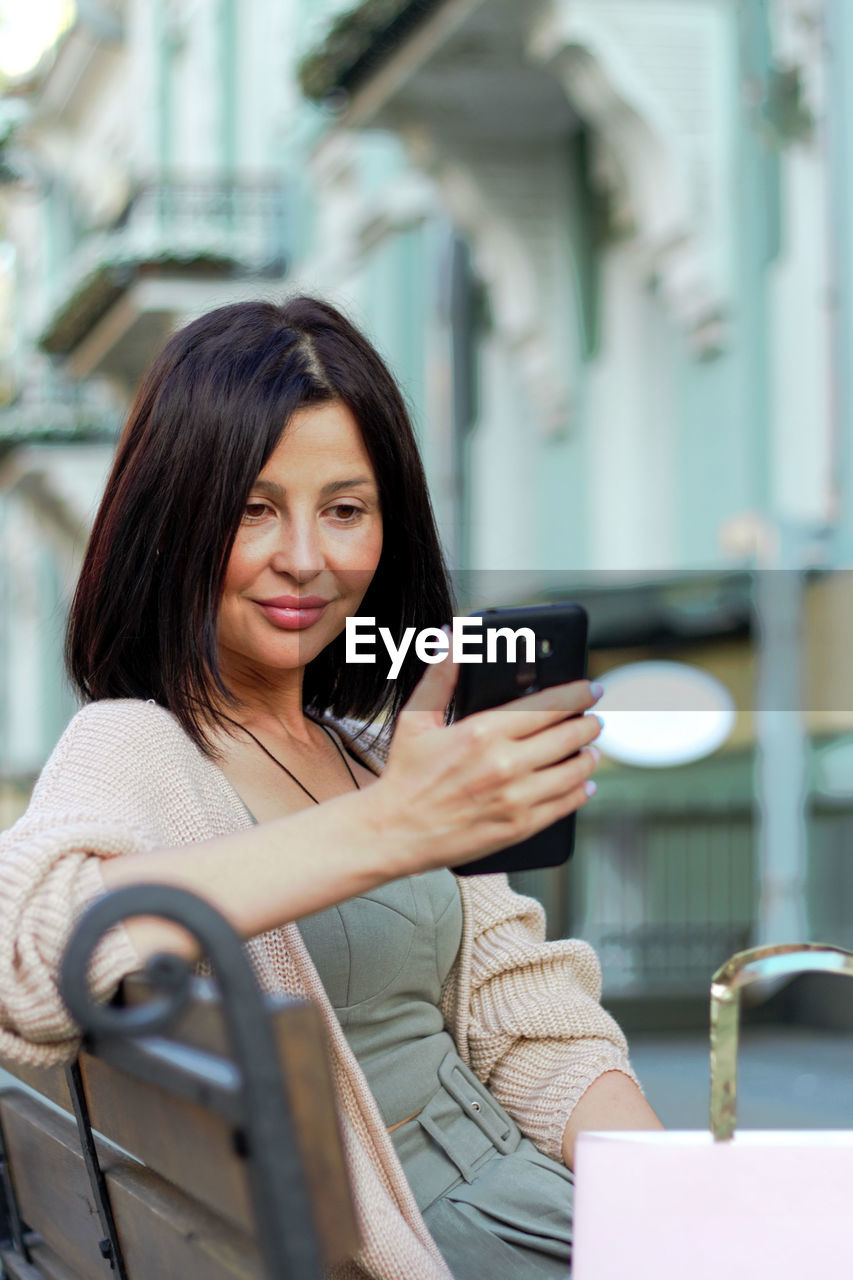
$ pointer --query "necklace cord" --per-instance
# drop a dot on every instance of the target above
(284, 767)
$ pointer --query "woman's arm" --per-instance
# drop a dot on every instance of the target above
(126, 799)
(271, 873)
(612, 1101)
(448, 794)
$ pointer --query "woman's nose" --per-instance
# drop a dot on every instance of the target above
(300, 552)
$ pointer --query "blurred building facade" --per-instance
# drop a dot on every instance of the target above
(604, 245)
(145, 183)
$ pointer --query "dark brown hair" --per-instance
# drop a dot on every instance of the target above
(206, 418)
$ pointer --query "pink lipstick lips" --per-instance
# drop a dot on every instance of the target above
(293, 613)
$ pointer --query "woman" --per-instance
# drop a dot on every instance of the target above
(267, 486)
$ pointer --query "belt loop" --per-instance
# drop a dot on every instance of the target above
(477, 1103)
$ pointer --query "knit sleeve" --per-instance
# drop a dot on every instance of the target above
(535, 1031)
(49, 874)
(50, 871)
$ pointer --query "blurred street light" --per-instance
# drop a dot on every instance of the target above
(658, 714)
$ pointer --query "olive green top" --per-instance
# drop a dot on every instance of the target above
(383, 958)
(494, 1204)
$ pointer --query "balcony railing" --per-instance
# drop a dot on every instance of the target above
(238, 222)
(51, 409)
(195, 228)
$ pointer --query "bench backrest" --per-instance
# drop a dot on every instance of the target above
(172, 1150)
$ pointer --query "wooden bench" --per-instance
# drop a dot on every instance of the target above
(177, 1145)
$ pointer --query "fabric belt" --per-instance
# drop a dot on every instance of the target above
(460, 1129)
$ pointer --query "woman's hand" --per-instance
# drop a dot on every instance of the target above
(450, 793)
(461, 791)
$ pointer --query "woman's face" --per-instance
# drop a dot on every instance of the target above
(307, 548)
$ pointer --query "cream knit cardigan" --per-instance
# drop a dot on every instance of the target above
(124, 778)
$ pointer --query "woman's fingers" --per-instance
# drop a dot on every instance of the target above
(502, 760)
(544, 798)
(553, 810)
(462, 791)
(536, 711)
(554, 744)
(558, 781)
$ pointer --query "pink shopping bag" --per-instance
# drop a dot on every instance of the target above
(758, 1205)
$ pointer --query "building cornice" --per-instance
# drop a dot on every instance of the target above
(358, 40)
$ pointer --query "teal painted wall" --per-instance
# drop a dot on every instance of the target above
(229, 53)
(840, 98)
(164, 89)
(396, 304)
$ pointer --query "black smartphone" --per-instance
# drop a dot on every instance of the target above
(556, 655)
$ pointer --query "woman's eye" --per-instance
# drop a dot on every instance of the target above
(346, 512)
(254, 510)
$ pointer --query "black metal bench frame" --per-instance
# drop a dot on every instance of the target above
(245, 1089)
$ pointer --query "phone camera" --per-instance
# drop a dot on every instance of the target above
(525, 677)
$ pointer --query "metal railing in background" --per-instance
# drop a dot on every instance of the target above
(830, 873)
(666, 896)
(241, 220)
(221, 226)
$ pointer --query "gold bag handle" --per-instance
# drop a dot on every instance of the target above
(744, 968)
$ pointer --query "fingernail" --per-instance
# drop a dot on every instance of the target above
(600, 720)
(595, 753)
(596, 690)
(590, 787)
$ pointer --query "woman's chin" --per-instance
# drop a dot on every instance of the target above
(293, 652)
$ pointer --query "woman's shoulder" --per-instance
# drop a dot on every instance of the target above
(125, 739)
(113, 727)
(126, 759)
(124, 711)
